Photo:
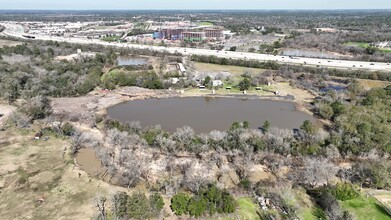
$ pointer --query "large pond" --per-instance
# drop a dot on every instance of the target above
(205, 114)
(128, 60)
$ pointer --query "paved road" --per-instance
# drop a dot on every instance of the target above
(15, 30)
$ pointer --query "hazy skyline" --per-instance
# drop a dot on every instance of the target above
(183, 4)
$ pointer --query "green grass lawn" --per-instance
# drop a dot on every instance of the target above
(385, 50)
(365, 45)
(111, 39)
(357, 44)
(365, 209)
(247, 208)
(205, 23)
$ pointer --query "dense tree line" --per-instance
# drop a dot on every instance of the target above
(31, 71)
(147, 79)
(235, 62)
(336, 42)
(361, 126)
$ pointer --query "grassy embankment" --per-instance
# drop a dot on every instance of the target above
(366, 208)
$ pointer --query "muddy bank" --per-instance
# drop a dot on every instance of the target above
(83, 109)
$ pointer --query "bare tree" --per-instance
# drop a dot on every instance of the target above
(278, 140)
(133, 170)
(84, 139)
(316, 171)
(100, 203)
(194, 177)
(183, 137)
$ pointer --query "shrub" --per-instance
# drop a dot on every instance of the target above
(246, 184)
(37, 107)
(197, 206)
(120, 202)
(179, 203)
(345, 191)
(23, 175)
(228, 204)
(156, 203)
(67, 129)
(244, 84)
(209, 199)
(137, 206)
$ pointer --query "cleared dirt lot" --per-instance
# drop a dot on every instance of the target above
(83, 109)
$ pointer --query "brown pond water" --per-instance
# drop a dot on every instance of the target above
(89, 162)
(205, 114)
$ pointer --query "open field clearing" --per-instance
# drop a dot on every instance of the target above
(39, 180)
(370, 84)
(366, 45)
(9, 43)
(235, 70)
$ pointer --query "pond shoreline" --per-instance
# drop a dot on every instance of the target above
(197, 111)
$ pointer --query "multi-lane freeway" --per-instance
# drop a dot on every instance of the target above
(14, 30)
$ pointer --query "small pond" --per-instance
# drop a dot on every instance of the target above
(89, 162)
(128, 60)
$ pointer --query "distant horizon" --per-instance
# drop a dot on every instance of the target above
(298, 9)
(93, 5)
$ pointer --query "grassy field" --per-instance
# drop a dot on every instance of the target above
(357, 44)
(205, 23)
(365, 208)
(235, 70)
(38, 179)
(365, 45)
(247, 209)
(111, 39)
(370, 84)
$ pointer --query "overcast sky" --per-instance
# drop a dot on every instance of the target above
(193, 4)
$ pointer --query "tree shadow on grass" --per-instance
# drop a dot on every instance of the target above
(381, 208)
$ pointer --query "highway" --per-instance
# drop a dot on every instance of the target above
(15, 30)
